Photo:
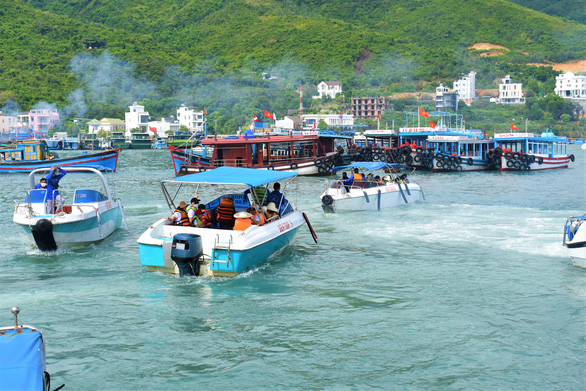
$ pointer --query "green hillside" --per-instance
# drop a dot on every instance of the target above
(569, 9)
(212, 52)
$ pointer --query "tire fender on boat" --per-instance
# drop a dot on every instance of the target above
(294, 166)
(270, 168)
(327, 200)
(540, 160)
(43, 235)
(572, 158)
(183, 169)
(470, 161)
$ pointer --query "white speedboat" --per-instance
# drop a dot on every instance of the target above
(575, 239)
(91, 216)
(22, 358)
(370, 194)
(220, 252)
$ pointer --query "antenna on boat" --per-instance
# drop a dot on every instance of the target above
(15, 310)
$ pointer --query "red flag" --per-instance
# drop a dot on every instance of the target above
(423, 113)
(379, 117)
(513, 127)
(205, 111)
(432, 124)
(268, 115)
(255, 118)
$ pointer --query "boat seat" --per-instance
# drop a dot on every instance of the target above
(86, 196)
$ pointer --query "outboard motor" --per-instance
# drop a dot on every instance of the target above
(43, 235)
(185, 252)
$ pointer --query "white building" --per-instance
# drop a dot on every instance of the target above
(466, 88)
(137, 118)
(8, 123)
(290, 122)
(193, 120)
(568, 85)
(332, 120)
(445, 99)
(328, 88)
(509, 92)
(107, 124)
(160, 128)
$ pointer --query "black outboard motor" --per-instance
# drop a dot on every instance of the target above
(185, 252)
(43, 235)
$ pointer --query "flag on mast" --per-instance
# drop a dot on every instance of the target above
(268, 114)
(205, 111)
(513, 127)
(255, 118)
(432, 124)
(423, 113)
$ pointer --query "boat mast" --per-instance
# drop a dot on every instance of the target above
(300, 100)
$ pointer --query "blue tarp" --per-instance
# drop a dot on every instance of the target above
(370, 166)
(22, 360)
(234, 176)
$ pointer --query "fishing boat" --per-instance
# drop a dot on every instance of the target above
(22, 358)
(140, 140)
(197, 154)
(91, 216)
(220, 252)
(30, 155)
(575, 239)
(306, 153)
(527, 151)
(458, 153)
(159, 143)
(370, 194)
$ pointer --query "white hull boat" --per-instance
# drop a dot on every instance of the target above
(92, 216)
(370, 195)
(220, 252)
(575, 239)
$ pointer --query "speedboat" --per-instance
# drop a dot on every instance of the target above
(92, 215)
(220, 252)
(22, 358)
(370, 194)
(575, 239)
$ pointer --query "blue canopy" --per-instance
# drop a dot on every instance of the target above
(234, 176)
(370, 166)
(22, 360)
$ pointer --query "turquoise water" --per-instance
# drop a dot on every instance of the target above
(471, 289)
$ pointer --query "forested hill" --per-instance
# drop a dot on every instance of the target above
(363, 43)
(569, 9)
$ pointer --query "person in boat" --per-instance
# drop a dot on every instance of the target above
(206, 217)
(226, 211)
(347, 182)
(180, 216)
(404, 178)
(258, 217)
(379, 180)
(42, 184)
(243, 220)
(193, 213)
(53, 196)
(272, 212)
(357, 176)
(276, 196)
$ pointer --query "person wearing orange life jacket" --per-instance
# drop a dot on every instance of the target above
(206, 218)
(243, 221)
(226, 211)
(258, 218)
(356, 176)
(180, 215)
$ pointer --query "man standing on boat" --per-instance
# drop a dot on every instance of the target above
(53, 179)
(276, 196)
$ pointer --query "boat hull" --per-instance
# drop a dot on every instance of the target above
(575, 240)
(391, 195)
(541, 163)
(247, 249)
(104, 161)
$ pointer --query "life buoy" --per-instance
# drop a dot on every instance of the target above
(572, 158)
(470, 161)
(294, 166)
(270, 168)
(327, 200)
(540, 161)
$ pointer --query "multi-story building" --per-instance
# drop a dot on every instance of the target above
(509, 92)
(369, 108)
(164, 125)
(445, 99)
(137, 118)
(328, 88)
(466, 88)
(340, 121)
(192, 120)
(569, 85)
(8, 123)
(107, 124)
(41, 120)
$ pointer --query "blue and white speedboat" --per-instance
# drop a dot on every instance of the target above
(370, 194)
(92, 215)
(159, 143)
(22, 358)
(575, 239)
(221, 252)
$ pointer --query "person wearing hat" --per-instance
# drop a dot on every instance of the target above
(243, 221)
(272, 212)
(192, 212)
(258, 217)
(180, 215)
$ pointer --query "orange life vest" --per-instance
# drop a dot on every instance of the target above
(226, 210)
(184, 218)
(261, 218)
(242, 223)
(206, 218)
(358, 177)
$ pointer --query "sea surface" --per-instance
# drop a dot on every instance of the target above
(469, 290)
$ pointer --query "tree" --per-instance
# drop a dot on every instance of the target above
(322, 125)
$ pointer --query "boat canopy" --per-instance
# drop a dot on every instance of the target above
(234, 176)
(370, 166)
